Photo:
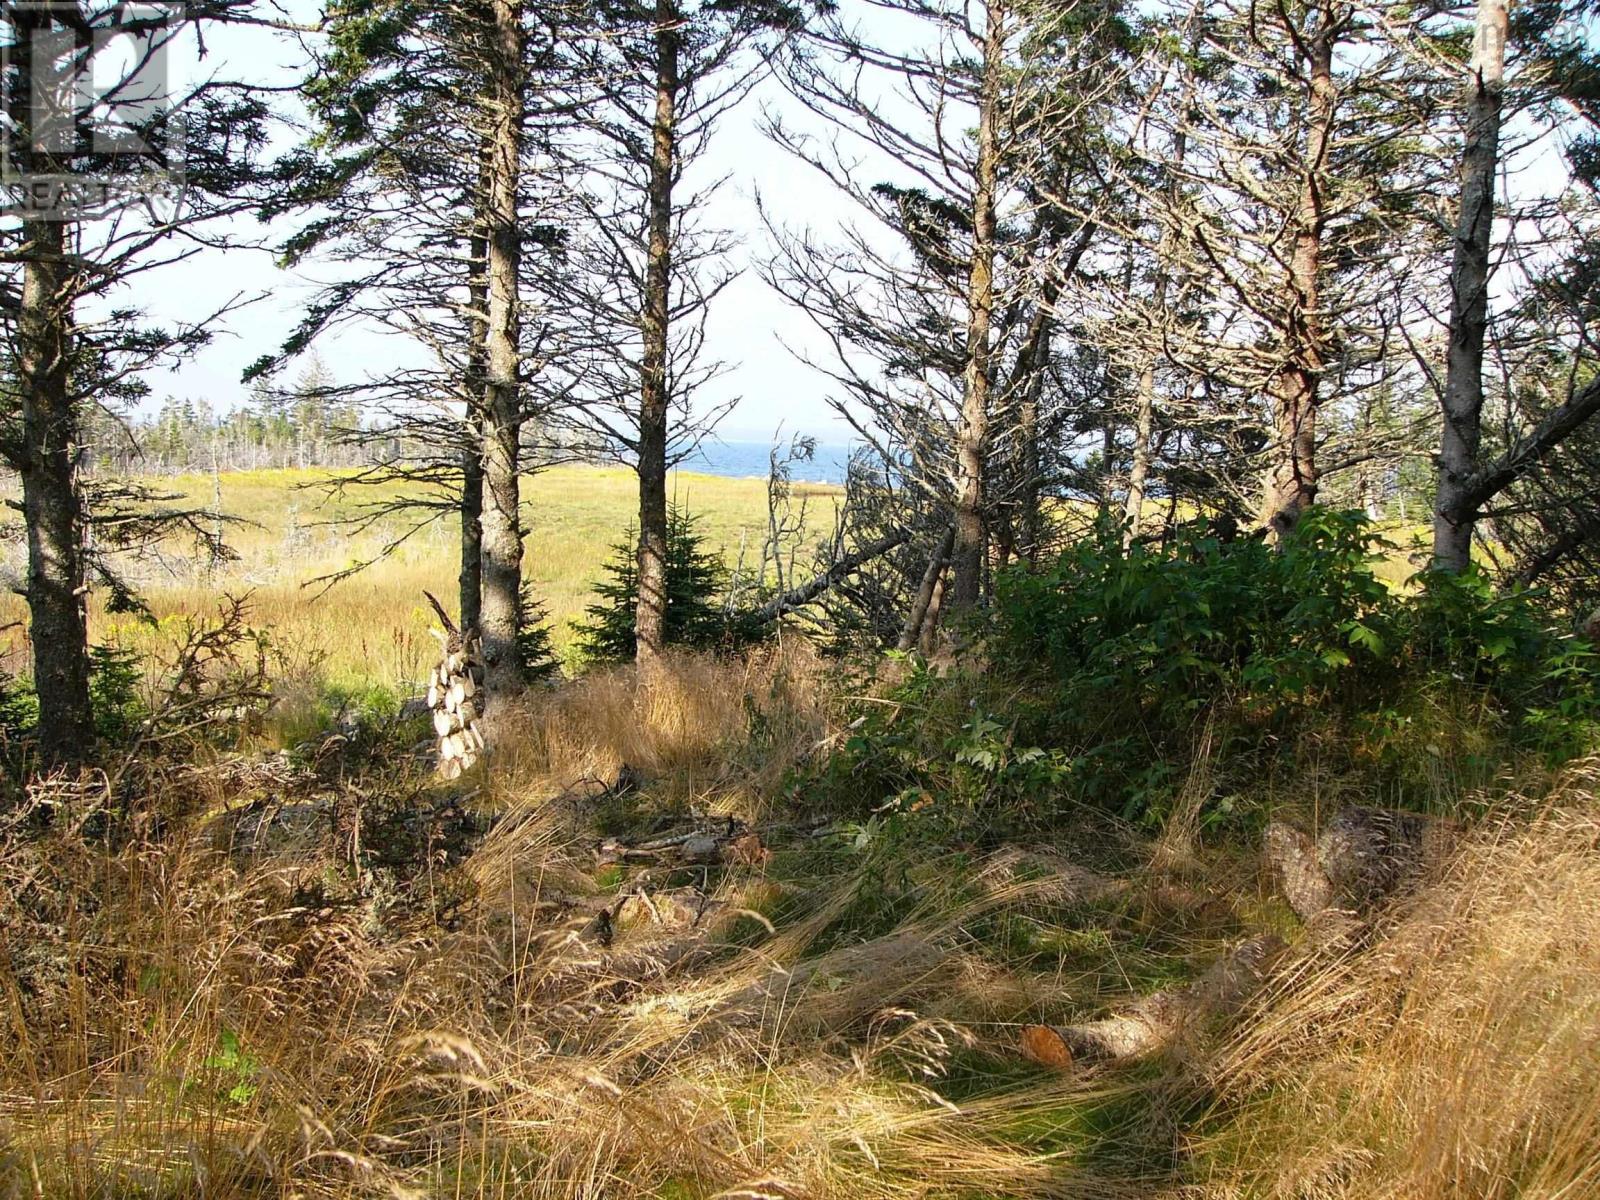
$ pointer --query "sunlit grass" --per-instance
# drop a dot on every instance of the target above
(244, 1025)
(373, 627)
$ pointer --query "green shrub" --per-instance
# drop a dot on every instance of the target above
(1112, 670)
(695, 580)
(1158, 632)
(1150, 635)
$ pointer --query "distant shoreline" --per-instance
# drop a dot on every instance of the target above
(722, 460)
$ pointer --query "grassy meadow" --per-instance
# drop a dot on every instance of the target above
(372, 628)
(234, 1006)
(290, 529)
(233, 973)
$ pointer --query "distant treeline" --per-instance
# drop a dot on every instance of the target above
(309, 424)
(296, 427)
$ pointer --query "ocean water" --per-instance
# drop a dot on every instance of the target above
(748, 460)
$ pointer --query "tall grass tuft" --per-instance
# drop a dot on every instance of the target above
(1458, 1054)
(190, 1010)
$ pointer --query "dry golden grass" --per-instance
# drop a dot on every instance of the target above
(371, 630)
(690, 732)
(189, 1020)
(1458, 1054)
(222, 1025)
(212, 1029)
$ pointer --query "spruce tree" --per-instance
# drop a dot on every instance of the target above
(695, 578)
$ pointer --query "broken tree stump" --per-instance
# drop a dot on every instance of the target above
(1363, 856)
(1292, 855)
(1160, 1018)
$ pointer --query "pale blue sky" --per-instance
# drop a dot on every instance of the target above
(745, 327)
(748, 325)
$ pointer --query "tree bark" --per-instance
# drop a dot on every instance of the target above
(973, 433)
(843, 569)
(1363, 857)
(1027, 381)
(47, 458)
(1145, 417)
(1292, 487)
(1160, 1018)
(930, 623)
(924, 598)
(52, 504)
(650, 616)
(470, 580)
(1462, 402)
(1488, 482)
(1143, 427)
(470, 583)
(501, 610)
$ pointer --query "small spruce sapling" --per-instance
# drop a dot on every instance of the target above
(695, 579)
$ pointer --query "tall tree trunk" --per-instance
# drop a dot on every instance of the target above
(1032, 516)
(1003, 531)
(47, 458)
(650, 617)
(1144, 420)
(1108, 443)
(500, 614)
(1027, 381)
(973, 434)
(930, 621)
(1469, 292)
(1296, 389)
(52, 505)
(470, 581)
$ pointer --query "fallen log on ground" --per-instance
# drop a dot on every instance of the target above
(581, 962)
(720, 843)
(1046, 876)
(1161, 1018)
(832, 991)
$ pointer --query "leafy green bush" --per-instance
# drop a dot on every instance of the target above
(1153, 634)
(1111, 670)
(695, 580)
(1158, 632)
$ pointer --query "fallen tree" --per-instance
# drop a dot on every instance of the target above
(1160, 1018)
(1363, 856)
(836, 574)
